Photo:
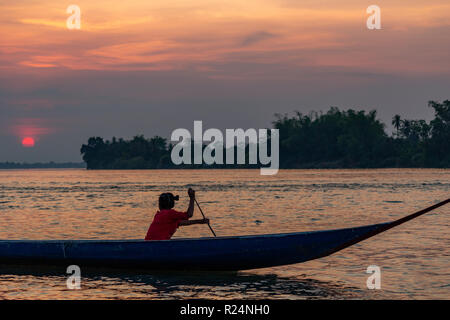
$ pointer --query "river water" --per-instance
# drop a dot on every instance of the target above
(414, 258)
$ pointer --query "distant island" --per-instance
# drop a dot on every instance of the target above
(40, 165)
(335, 139)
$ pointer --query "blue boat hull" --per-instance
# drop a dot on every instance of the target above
(214, 254)
(222, 253)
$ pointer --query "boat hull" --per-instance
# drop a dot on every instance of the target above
(213, 254)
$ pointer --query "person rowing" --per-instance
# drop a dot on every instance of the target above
(167, 220)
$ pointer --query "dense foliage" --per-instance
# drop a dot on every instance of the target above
(138, 153)
(335, 139)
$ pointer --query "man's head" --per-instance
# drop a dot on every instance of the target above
(167, 201)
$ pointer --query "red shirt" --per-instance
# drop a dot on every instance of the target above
(164, 224)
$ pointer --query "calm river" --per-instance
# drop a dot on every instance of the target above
(77, 204)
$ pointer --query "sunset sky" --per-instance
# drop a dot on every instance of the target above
(149, 67)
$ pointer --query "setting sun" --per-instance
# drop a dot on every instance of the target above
(28, 142)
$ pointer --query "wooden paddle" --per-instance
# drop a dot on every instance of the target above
(205, 218)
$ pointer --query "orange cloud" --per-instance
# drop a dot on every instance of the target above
(30, 127)
(165, 35)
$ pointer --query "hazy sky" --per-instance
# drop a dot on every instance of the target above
(149, 67)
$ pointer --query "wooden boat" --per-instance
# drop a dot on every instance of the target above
(219, 254)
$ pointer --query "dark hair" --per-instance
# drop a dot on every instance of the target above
(166, 201)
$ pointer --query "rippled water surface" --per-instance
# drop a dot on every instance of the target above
(77, 204)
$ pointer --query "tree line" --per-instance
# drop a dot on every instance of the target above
(42, 165)
(334, 139)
